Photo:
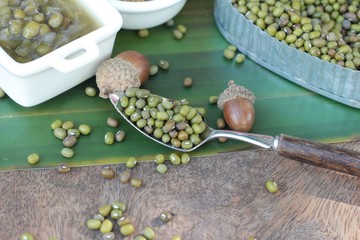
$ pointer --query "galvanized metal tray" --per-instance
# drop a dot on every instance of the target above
(330, 80)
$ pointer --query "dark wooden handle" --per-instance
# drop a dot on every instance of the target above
(318, 154)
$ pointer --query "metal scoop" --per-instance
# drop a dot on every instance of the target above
(303, 150)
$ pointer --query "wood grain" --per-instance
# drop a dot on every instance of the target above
(215, 197)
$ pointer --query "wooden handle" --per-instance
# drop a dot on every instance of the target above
(318, 154)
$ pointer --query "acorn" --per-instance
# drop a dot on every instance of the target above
(127, 69)
(237, 104)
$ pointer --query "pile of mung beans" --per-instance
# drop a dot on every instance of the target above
(173, 122)
(327, 29)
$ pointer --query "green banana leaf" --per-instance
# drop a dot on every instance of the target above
(281, 106)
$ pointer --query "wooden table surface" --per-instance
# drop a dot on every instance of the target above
(214, 197)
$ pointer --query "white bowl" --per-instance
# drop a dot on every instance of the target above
(148, 14)
(37, 81)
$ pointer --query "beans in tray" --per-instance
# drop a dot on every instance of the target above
(30, 29)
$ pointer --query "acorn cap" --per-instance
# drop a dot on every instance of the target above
(116, 75)
(234, 91)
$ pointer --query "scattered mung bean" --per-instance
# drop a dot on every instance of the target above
(181, 28)
(56, 124)
(105, 210)
(131, 162)
(106, 226)
(107, 172)
(153, 69)
(116, 214)
(69, 141)
(170, 23)
(120, 136)
(84, 129)
(229, 54)
(178, 34)
(161, 168)
(136, 182)
(123, 221)
(149, 233)
(73, 132)
(239, 58)
(188, 82)
(109, 236)
(220, 123)
(63, 168)
(271, 186)
(213, 99)
(163, 64)
(127, 229)
(90, 91)
(60, 133)
(112, 122)
(165, 216)
(67, 125)
(99, 217)
(67, 152)
(93, 224)
(119, 205)
(27, 236)
(185, 158)
(33, 158)
(143, 33)
(125, 176)
(159, 158)
(174, 159)
(109, 138)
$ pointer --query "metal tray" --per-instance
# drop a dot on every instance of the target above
(330, 80)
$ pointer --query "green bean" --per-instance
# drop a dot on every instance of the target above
(105, 210)
(119, 205)
(30, 30)
(159, 158)
(149, 233)
(93, 224)
(67, 152)
(109, 138)
(143, 33)
(120, 135)
(127, 229)
(174, 159)
(63, 168)
(33, 158)
(165, 216)
(56, 124)
(69, 141)
(136, 182)
(161, 168)
(271, 186)
(125, 177)
(116, 214)
(153, 69)
(178, 34)
(131, 162)
(108, 236)
(229, 54)
(67, 125)
(123, 221)
(107, 172)
(139, 237)
(185, 158)
(163, 64)
(106, 226)
(84, 129)
(188, 82)
(99, 217)
(27, 236)
(90, 91)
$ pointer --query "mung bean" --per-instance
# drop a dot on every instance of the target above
(188, 82)
(109, 138)
(84, 129)
(163, 64)
(229, 54)
(239, 58)
(149, 233)
(136, 182)
(213, 99)
(178, 34)
(60, 133)
(67, 125)
(116, 214)
(143, 33)
(56, 124)
(131, 162)
(112, 122)
(105, 210)
(174, 159)
(185, 158)
(90, 91)
(119, 205)
(67, 152)
(127, 229)
(69, 141)
(120, 135)
(63, 168)
(159, 158)
(220, 123)
(109, 236)
(165, 216)
(107, 172)
(123, 221)
(153, 69)
(139, 237)
(93, 224)
(181, 28)
(125, 177)
(33, 158)
(99, 217)
(271, 186)
(161, 168)
(27, 236)
(106, 226)
(73, 132)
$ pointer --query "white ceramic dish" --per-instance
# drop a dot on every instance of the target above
(37, 81)
(330, 80)
(148, 14)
